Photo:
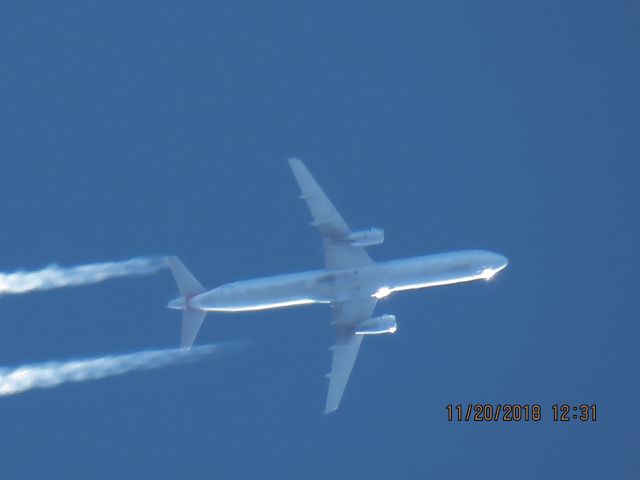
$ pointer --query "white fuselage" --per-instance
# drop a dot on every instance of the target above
(325, 286)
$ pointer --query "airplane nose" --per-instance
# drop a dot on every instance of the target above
(501, 262)
(492, 264)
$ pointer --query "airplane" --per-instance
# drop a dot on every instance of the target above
(351, 283)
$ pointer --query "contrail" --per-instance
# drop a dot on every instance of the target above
(52, 374)
(55, 276)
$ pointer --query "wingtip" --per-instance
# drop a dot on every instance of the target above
(329, 410)
(174, 262)
(185, 342)
(295, 164)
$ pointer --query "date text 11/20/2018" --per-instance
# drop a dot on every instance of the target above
(514, 412)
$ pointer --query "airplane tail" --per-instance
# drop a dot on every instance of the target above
(188, 287)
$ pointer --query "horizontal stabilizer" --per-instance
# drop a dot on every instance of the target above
(188, 287)
(191, 322)
(187, 283)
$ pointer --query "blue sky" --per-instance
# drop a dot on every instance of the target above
(135, 128)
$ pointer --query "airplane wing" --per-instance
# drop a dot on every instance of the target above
(338, 252)
(346, 315)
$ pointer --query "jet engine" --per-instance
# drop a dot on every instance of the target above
(377, 325)
(366, 238)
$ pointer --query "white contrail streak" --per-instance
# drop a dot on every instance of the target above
(54, 276)
(52, 374)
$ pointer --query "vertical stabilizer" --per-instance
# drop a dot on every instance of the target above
(188, 287)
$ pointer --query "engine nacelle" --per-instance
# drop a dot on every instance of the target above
(377, 325)
(366, 238)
